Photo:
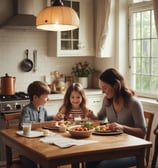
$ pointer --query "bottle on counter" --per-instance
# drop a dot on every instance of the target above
(68, 80)
(58, 84)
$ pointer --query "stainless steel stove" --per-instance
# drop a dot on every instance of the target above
(10, 104)
(13, 103)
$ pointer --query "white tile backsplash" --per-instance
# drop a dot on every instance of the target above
(13, 44)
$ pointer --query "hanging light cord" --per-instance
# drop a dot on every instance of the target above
(57, 3)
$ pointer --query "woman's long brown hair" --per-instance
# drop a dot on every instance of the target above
(114, 78)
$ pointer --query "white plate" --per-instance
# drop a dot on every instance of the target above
(108, 133)
(51, 128)
(33, 134)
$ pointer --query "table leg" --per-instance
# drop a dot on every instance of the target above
(75, 165)
(8, 156)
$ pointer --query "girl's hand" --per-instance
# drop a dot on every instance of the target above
(115, 126)
(60, 116)
(70, 116)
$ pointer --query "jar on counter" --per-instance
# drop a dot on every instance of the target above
(68, 80)
(95, 79)
(59, 83)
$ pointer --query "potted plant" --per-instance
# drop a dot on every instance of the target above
(82, 71)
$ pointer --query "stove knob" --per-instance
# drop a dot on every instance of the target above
(8, 107)
(17, 106)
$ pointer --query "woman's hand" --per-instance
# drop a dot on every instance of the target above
(91, 115)
(115, 126)
(138, 132)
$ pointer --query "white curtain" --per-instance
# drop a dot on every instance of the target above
(102, 11)
(155, 4)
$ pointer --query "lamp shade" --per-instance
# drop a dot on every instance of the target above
(57, 18)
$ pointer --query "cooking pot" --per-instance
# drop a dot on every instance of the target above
(7, 85)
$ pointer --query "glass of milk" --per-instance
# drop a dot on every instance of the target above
(26, 128)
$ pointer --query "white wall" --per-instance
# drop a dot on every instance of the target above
(13, 44)
(118, 32)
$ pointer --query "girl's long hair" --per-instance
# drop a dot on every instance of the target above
(114, 78)
(67, 104)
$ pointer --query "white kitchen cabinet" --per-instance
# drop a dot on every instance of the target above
(94, 102)
(53, 106)
(78, 42)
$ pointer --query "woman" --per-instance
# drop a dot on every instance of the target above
(123, 111)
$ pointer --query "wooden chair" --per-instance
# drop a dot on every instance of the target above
(155, 155)
(12, 121)
(149, 121)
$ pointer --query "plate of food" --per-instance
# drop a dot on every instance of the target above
(56, 125)
(105, 130)
(79, 131)
(51, 127)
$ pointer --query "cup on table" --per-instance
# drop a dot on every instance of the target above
(77, 119)
(26, 128)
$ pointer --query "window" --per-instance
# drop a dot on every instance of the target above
(143, 47)
(140, 0)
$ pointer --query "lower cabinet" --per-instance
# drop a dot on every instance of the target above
(53, 106)
(94, 102)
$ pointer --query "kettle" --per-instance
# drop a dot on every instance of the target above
(7, 85)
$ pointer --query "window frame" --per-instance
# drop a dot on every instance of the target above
(137, 7)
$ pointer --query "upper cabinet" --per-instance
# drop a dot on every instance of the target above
(78, 42)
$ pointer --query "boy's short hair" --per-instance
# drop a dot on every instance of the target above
(37, 88)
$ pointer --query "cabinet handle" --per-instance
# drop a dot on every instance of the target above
(96, 101)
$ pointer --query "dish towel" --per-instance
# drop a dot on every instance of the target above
(64, 142)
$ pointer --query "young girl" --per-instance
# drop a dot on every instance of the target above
(75, 104)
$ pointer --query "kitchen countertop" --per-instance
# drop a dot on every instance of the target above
(59, 96)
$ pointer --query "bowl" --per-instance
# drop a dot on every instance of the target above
(78, 131)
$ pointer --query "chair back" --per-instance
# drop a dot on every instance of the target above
(155, 155)
(149, 121)
(12, 120)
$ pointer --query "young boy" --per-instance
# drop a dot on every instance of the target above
(35, 112)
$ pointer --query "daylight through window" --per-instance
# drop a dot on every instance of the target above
(143, 49)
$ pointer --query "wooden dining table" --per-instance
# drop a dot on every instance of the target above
(51, 156)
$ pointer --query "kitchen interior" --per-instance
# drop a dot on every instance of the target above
(43, 51)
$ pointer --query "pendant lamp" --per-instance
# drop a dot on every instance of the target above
(57, 17)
